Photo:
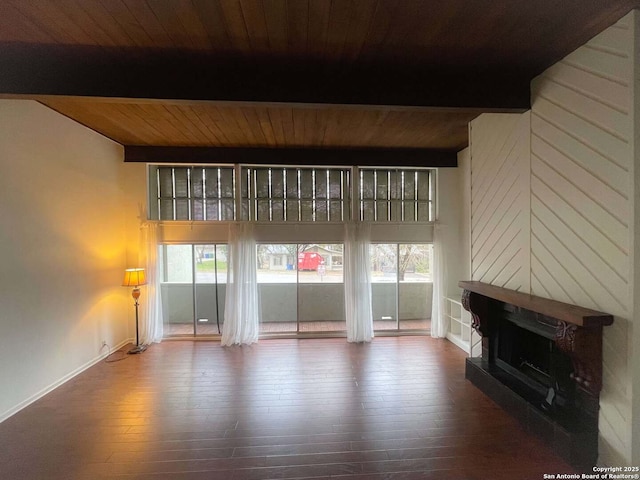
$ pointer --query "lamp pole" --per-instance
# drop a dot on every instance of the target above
(138, 348)
(134, 277)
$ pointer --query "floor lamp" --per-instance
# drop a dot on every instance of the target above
(134, 277)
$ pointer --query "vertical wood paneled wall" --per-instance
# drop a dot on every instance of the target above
(551, 203)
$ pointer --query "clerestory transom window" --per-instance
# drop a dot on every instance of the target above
(291, 194)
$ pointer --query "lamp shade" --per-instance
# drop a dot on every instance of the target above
(134, 277)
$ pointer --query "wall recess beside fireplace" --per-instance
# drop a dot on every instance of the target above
(542, 361)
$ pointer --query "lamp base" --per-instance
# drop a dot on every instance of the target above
(137, 349)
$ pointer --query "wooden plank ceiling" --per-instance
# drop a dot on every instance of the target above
(341, 74)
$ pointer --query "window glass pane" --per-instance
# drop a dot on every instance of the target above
(277, 287)
(409, 183)
(336, 213)
(197, 187)
(198, 209)
(245, 182)
(409, 211)
(382, 185)
(306, 211)
(306, 183)
(262, 183)
(382, 211)
(204, 263)
(292, 183)
(178, 264)
(320, 263)
(166, 209)
(262, 210)
(395, 185)
(384, 286)
(226, 176)
(293, 210)
(166, 182)
(415, 286)
(228, 209)
(368, 210)
(213, 210)
(276, 263)
(277, 183)
(245, 210)
(207, 293)
(177, 289)
(395, 209)
(321, 183)
(181, 177)
(277, 210)
(211, 182)
(367, 184)
(423, 185)
(182, 209)
(221, 279)
(424, 212)
(321, 211)
(336, 183)
(321, 288)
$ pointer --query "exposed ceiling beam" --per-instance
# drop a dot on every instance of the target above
(400, 157)
(178, 75)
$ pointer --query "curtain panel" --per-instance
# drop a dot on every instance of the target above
(242, 303)
(151, 328)
(357, 282)
(439, 324)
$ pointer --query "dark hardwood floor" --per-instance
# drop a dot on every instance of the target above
(398, 408)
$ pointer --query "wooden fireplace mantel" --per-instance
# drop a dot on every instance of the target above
(578, 330)
(582, 317)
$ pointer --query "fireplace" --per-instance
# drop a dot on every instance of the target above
(542, 361)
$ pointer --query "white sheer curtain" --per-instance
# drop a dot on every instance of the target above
(151, 327)
(242, 305)
(357, 282)
(439, 324)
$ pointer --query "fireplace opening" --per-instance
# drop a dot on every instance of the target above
(527, 351)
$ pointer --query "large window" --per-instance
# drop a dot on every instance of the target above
(301, 288)
(395, 195)
(291, 194)
(401, 286)
(192, 193)
(300, 283)
(193, 288)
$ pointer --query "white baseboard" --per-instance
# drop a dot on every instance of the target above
(13, 410)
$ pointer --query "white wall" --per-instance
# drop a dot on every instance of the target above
(450, 228)
(62, 250)
(551, 206)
